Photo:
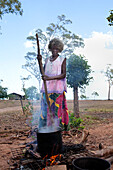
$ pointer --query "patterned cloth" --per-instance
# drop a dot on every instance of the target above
(58, 108)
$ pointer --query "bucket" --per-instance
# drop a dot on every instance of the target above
(49, 141)
(90, 163)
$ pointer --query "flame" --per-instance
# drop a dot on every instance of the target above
(45, 157)
(53, 160)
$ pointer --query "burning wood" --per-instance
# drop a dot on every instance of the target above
(34, 154)
(70, 150)
(32, 159)
(53, 160)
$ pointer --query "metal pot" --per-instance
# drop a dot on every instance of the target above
(49, 141)
(90, 163)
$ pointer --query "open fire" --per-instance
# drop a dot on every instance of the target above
(33, 160)
(54, 160)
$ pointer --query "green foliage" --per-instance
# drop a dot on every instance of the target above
(110, 18)
(32, 65)
(10, 6)
(28, 108)
(95, 94)
(109, 74)
(3, 91)
(59, 30)
(83, 96)
(32, 93)
(75, 122)
(78, 75)
(82, 91)
(23, 79)
(78, 71)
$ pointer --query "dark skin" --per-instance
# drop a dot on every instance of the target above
(54, 56)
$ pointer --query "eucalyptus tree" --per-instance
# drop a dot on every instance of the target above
(110, 18)
(83, 93)
(32, 93)
(109, 75)
(10, 6)
(78, 75)
(95, 94)
(24, 79)
(59, 30)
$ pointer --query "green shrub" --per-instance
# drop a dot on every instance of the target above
(28, 108)
(75, 122)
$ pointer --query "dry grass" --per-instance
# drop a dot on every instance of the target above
(94, 112)
(91, 111)
(14, 103)
(84, 105)
(92, 105)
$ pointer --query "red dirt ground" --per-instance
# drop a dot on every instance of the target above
(14, 130)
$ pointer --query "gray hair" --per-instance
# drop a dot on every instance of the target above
(55, 42)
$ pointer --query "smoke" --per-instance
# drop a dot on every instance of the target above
(48, 129)
(38, 123)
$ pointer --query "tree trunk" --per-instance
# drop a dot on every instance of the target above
(76, 103)
(109, 90)
(22, 106)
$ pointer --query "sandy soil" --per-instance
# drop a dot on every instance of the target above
(14, 131)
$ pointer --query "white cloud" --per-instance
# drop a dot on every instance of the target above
(98, 51)
(28, 44)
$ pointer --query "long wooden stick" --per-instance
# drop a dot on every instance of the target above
(42, 72)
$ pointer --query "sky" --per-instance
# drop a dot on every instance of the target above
(88, 21)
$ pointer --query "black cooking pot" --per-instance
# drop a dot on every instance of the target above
(49, 141)
(90, 163)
